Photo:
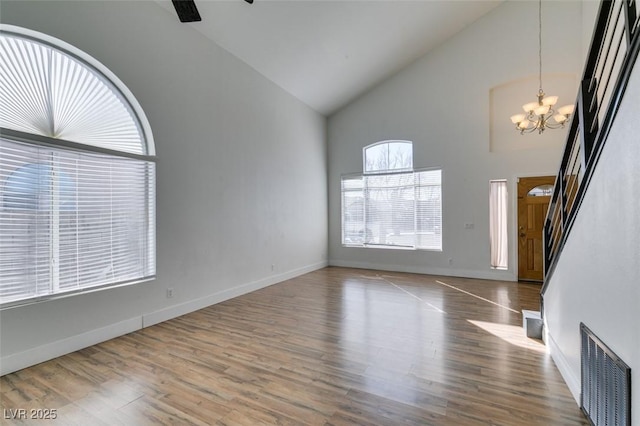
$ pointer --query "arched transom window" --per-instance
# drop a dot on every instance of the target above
(388, 156)
(77, 173)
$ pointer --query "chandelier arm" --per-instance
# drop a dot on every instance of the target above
(527, 130)
(554, 125)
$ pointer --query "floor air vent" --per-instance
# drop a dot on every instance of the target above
(606, 383)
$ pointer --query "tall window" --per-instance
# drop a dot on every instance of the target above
(498, 199)
(77, 173)
(391, 204)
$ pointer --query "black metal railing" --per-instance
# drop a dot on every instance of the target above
(612, 55)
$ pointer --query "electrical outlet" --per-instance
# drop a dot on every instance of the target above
(273, 267)
(169, 293)
(468, 226)
(450, 261)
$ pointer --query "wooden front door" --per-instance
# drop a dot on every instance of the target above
(534, 195)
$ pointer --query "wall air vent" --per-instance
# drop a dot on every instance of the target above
(606, 383)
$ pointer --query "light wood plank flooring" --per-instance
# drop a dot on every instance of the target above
(337, 346)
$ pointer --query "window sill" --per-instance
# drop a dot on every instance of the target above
(383, 247)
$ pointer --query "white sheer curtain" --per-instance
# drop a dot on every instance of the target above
(498, 198)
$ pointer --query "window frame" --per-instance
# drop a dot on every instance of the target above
(148, 232)
(386, 171)
(381, 173)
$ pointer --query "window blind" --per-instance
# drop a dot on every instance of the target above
(353, 220)
(72, 220)
(45, 91)
(401, 210)
(77, 178)
(429, 209)
(390, 209)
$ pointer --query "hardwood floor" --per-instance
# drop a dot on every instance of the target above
(337, 346)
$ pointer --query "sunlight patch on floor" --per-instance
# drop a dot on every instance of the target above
(512, 334)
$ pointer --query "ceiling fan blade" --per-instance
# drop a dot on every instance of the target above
(187, 10)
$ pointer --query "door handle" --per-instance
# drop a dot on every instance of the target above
(522, 233)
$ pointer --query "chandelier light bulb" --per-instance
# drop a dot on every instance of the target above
(530, 106)
(541, 110)
(550, 100)
(515, 119)
(560, 118)
(566, 110)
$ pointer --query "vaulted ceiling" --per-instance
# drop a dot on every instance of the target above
(327, 53)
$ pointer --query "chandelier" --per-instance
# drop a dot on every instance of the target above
(540, 115)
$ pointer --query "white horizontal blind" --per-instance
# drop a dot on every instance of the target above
(390, 207)
(72, 220)
(25, 248)
(45, 91)
(71, 217)
(353, 223)
(429, 209)
(393, 210)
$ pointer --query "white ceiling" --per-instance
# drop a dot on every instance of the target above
(326, 53)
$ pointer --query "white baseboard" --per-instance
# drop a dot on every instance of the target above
(488, 274)
(20, 360)
(193, 305)
(573, 382)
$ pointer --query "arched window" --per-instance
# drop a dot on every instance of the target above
(391, 205)
(77, 173)
(388, 156)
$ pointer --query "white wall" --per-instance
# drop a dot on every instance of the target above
(241, 182)
(590, 9)
(597, 278)
(441, 103)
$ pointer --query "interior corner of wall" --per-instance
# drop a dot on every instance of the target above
(563, 365)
